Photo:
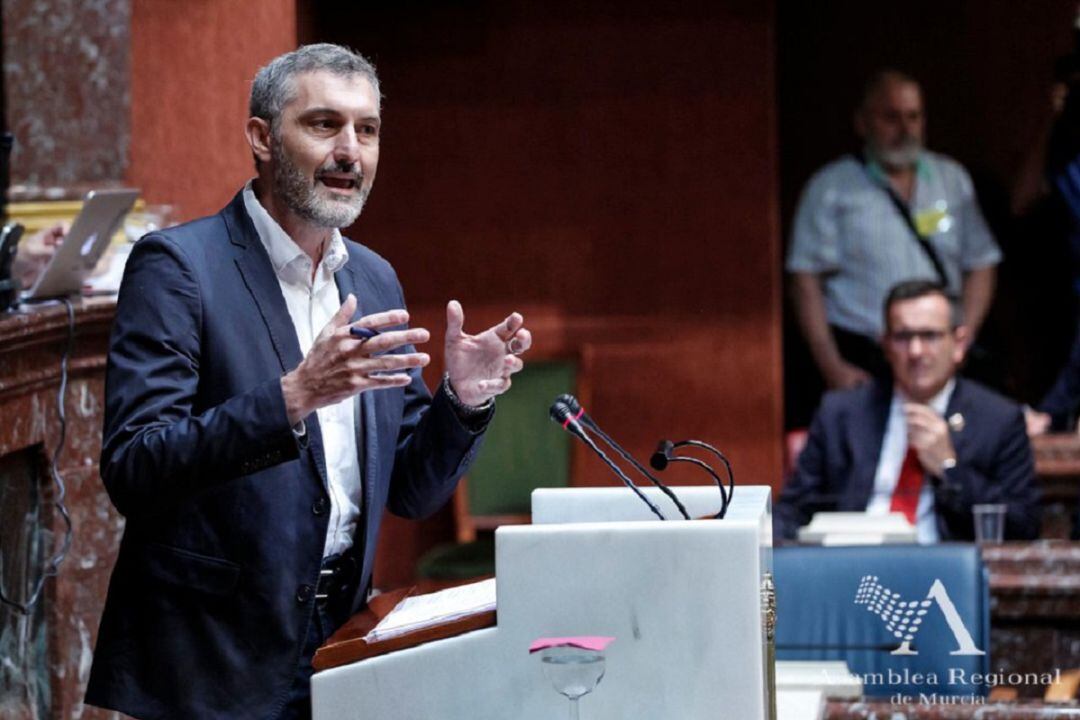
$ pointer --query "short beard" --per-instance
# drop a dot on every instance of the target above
(905, 156)
(302, 197)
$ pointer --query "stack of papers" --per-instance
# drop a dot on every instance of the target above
(424, 611)
(858, 528)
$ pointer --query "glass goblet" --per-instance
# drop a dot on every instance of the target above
(573, 672)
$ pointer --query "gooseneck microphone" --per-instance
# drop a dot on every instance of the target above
(579, 414)
(562, 415)
(665, 454)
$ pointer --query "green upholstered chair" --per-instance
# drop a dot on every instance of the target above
(522, 450)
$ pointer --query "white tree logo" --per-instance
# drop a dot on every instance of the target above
(903, 618)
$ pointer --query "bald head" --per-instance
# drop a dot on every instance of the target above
(880, 82)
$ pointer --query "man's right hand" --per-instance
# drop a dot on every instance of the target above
(808, 300)
(339, 365)
(843, 375)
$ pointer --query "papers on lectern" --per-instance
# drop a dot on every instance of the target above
(423, 611)
(857, 528)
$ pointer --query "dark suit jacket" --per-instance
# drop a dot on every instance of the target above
(993, 462)
(226, 512)
(1062, 401)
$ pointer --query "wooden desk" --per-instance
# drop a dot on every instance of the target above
(1034, 607)
(46, 654)
(1057, 465)
(885, 710)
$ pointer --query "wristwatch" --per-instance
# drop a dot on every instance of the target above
(464, 410)
(299, 430)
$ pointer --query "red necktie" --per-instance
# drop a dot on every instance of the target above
(905, 497)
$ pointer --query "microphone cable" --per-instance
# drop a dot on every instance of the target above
(560, 413)
(580, 414)
(665, 453)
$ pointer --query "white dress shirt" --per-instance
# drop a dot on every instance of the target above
(893, 449)
(311, 304)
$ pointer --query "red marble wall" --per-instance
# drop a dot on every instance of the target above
(191, 68)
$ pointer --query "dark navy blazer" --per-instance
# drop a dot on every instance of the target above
(993, 462)
(1062, 401)
(226, 511)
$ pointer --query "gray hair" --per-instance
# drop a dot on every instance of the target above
(274, 88)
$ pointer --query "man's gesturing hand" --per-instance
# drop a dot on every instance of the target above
(928, 433)
(339, 365)
(480, 366)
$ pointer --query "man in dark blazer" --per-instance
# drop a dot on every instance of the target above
(263, 406)
(1058, 410)
(929, 444)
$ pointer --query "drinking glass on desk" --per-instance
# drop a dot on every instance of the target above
(989, 522)
(573, 672)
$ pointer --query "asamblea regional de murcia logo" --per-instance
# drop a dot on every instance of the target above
(903, 618)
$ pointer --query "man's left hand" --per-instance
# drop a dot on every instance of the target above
(928, 433)
(480, 365)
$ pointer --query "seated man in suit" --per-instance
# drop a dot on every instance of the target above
(928, 444)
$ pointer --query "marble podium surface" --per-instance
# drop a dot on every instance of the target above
(682, 598)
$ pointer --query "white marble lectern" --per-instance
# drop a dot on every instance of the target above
(682, 598)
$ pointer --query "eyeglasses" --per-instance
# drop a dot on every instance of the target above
(903, 338)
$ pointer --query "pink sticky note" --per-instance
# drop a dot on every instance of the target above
(584, 642)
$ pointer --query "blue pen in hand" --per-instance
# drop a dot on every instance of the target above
(363, 333)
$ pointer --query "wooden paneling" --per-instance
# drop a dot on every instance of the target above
(603, 158)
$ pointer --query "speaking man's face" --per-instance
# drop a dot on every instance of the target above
(325, 149)
(921, 345)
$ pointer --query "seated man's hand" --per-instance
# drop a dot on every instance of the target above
(928, 433)
(34, 253)
(1038, 423)
(340, 365)
(480, 365)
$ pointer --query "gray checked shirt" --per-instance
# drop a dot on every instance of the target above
(849, 232)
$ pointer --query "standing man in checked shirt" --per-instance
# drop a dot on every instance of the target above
(851, 240)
